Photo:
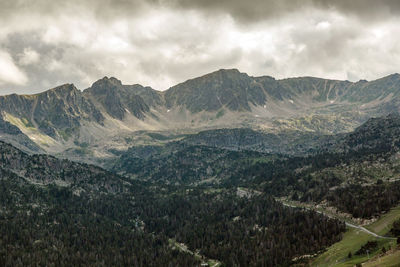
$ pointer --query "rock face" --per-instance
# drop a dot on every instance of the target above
(64, 108)
(53, 112)
(224, 88)
(13, 135)
(222, 99)
(237, 91)
(117, 99)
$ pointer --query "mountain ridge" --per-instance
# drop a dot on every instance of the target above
(234, 70)
(63, 117)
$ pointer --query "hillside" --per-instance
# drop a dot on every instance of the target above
(353, 177)
(338, 168)
(60, 212)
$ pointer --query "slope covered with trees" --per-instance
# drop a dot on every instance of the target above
(59, 212)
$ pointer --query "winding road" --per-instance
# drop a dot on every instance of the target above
(368, 231)
(347, 224)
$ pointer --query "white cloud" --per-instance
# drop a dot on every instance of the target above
(29, 56)
(9, 72)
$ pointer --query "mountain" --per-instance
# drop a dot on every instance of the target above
(56, 114)
(237, 91)
(222, 89)
(109, 115)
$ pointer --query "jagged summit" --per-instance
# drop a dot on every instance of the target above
(217, 75)
(65, 89)
(118, 99)
(103, 85)
(233, 71)
(106, 80)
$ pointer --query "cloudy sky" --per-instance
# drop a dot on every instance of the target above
(45, 43)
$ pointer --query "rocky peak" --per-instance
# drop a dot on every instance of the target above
(67, 92)
(151, 97)
(65, 88)
(117, 98)
(222, 75)
(103, 85)
(226, 73)
(63, 108)
(229, 89)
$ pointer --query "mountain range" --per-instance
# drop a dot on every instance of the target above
(109, 115)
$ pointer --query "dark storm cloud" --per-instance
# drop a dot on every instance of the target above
(256, 10)
(105, 9)
(253, 10)
(363, 8)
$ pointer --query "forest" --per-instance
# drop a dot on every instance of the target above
(54, 225)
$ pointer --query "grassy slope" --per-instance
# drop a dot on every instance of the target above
(384, 224)
(353, 239)
(391, 259)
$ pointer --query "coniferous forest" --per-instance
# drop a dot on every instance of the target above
(54, 225)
